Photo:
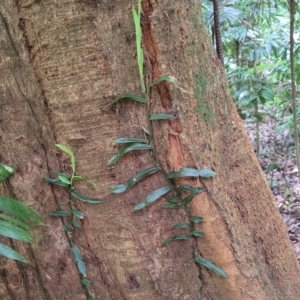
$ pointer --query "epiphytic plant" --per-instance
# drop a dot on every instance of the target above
(14, 219)
(178, 197)
(72, 215)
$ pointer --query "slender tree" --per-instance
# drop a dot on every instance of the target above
(62, 64)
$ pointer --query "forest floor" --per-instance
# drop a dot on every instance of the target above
(277, 159)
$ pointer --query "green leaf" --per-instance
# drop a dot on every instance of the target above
(131, 96)
(197, 233)
(125, 140)
(140, 206)
(141, 175)
(76, 252)
(184, 172)
(15, 221)
(188, 199)
(182, 225)
(86, 282)
(20, 210)
(196, 219)
(79, 214)
(128, 148)
(81, 178)
(81, 267)
(167, 78)
(6, 171)
(191, 172)
(69, 152)
(55, 181)
(117, 189)
(161, 117)
(174, 199)
(84, 198)
(207, 173)
(67, 228)
(181, 237)
(12, 254)
(157, 194)
(168, 241)
(210, 266)
(14, 232)
(60, 213)
(171, 205)
(75, 223)
(120, 188)
(64, 178)
(185, 187)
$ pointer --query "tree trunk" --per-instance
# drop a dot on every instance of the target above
(62, 63)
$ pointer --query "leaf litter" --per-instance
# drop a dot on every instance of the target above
(277, 160)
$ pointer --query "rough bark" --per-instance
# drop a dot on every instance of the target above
(62, 62)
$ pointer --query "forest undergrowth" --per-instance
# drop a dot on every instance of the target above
(277, 159)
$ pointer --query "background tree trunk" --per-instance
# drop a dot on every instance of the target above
(62, 62)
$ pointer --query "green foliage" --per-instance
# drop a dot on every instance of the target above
(256, 49)
(73, 215)
(179, 197)
(15, 216)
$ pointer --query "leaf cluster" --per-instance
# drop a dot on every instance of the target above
(15, 219)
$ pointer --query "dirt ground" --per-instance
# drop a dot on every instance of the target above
(277, 159)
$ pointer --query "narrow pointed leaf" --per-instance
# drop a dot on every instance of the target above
(124, 140)
(75, 224)
(182, 225)
(170, 205)
(196, 219)
(67, 228)
(82, 268)
(161, 117)
(117, 189)
(140, 206)
(168, 241)
(157, 194)
(55, 181)
(130, 96)
(207, 173)
(79, 214)
(184, 172)
(64, 179)
(69, 152)
(14, 232)
(84, 198)
(128, 148)
(185, 187)
(120, 188)
(141, 175)
(86, 282)
(15, 221)
(181, 237)
(174, 199)
(20, 210)
(6, 171)
(210, 266)
(167, 78)
(197, 233)
(12, 254)
(188, 199)
(60, 213)
(76, 253)
(80, 178)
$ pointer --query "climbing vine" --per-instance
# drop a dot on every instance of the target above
(71, 215)
(178, 197)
